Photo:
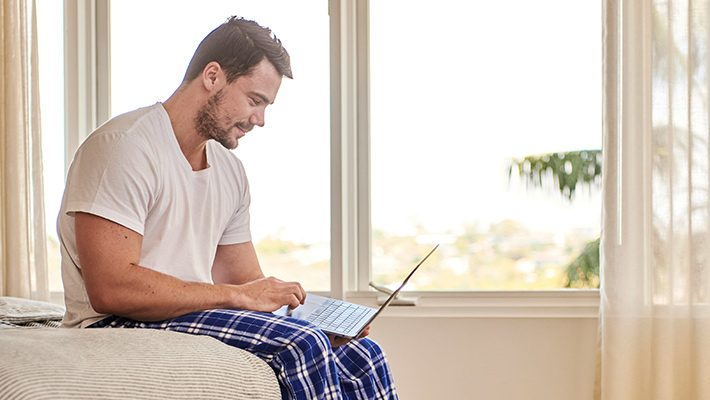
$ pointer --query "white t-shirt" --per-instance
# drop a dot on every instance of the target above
(131, 171)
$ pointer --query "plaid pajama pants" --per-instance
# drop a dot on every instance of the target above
(305, 364)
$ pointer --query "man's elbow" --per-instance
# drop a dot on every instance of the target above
(103, 301)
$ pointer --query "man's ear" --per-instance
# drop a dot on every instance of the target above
(213, 76)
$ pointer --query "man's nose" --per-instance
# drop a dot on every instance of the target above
(257, 118)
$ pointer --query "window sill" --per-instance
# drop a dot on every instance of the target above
(491, 304)
(483, 304)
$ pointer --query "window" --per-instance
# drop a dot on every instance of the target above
(51, 64)
(458, 91)
(351, 184)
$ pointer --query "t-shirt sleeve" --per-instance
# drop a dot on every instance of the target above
(238, 227)
(112, 177)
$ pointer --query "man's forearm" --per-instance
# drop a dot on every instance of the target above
(147, 295)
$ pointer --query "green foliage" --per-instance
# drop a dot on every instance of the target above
(583, 272)
(568, 169)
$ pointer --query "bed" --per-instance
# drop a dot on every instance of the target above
(39, 360)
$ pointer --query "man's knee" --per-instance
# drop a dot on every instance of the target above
(372, 347)
(312, 339)
(363, 351)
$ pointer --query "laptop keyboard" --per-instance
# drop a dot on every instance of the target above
(337, 316)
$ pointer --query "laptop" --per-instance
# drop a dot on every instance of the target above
(342, 318)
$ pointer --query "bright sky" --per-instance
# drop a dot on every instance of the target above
(460, 87)
(454, 94)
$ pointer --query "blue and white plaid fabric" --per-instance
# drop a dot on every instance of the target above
(300, 354)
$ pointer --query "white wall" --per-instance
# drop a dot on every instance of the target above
(490, 358)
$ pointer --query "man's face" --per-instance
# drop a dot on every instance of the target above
(234, 109)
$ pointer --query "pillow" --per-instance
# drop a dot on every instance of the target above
(18, 311)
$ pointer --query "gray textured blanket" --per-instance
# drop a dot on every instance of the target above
(50, 363)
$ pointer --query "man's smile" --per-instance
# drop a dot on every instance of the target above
(242, 129)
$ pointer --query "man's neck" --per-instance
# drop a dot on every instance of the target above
(182, 108)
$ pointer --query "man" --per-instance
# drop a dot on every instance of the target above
(154, 226)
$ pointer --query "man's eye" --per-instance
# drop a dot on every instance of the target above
(255, 102)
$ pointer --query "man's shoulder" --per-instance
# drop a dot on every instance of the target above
(151, 118)
(140, 127)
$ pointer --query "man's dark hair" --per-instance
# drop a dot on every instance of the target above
(238, 45)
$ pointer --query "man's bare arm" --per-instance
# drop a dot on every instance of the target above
(236, 264)
(109, 255)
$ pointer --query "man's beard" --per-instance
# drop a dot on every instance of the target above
(207, 126)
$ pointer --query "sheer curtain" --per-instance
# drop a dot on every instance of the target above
(655, 326)
(22, 232)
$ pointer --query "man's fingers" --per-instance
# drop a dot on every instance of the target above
(294, 302)
(295, 293)
(303, 294)
(298, 292)
(269, 294)
(364, 333)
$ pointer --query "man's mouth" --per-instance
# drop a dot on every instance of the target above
(243, 129)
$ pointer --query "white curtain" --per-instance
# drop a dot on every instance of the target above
(655, 310)
(23, 263)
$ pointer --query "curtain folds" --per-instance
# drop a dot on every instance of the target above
(22, 232)
(655, 296)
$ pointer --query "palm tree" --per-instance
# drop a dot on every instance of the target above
(567, 170)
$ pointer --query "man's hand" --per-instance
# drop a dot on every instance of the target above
(337, 341)
(270, 294)
(237, 266)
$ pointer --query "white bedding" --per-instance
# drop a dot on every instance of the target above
(51, 363)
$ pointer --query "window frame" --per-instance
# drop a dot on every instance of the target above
(87, 98)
